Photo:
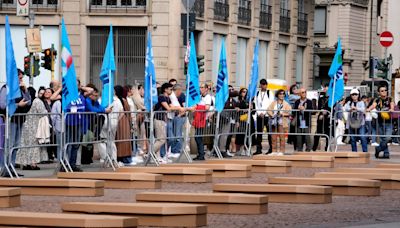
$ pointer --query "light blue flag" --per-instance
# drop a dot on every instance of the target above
(69, 84)
(254, 75)
(13, 91)
(222, 91)
(336, 89)
(107, 72)
(192, 77)
(150, 89)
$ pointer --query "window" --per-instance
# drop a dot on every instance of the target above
(285, 4)
(301, 6)
(263, 59)
(299, 64)
(241, 62)
(320, 20)
(129, 51)
(282, 61)
(217, 40)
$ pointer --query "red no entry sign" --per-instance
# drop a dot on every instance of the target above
(386, 39)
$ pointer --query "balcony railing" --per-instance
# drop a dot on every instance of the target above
(36, 5)
(221, 10)
(302, 24)
(117, 6)
(244, 15)
(284, 21)
(198, 8)
(265, 16)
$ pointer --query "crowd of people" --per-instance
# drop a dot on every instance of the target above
(123, 129)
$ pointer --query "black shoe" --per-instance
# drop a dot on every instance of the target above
(198, 159)
(376, 153)
(26, 167)
(77, 169)
(17, 166)
(225, 155)
(269, 152)
(62, 170)
(257, 152)
(35, 168)
(386, 156)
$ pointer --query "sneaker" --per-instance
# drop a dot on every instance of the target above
(229, 153)
(279, 154)
(374, 144)
(77, 169)
(121, 164)
(198, 159)
(395, 144)
(162, 161)
(257, 153)
(175, 155)
(272, 154)
(138, 159)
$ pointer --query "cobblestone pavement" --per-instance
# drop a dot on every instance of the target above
(342, 212)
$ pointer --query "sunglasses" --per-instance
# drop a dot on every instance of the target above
(354, 94)
(303, 92)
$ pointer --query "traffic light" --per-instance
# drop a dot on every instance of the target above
(382, 68)
(36, 66)
(27, 65)
(200, 63)
(46, 59)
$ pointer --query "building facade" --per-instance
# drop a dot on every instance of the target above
(359, 24)
(284, 28)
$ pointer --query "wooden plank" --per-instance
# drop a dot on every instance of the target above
(388, 165)
(306, 161)
(343, 157)
(368, 170)
(388, 181)
(220, 170)
(36, 219)
(258, 166)
(10, 197)
(282, 193)
(44, 191)
(175, 174)
(340, 186)
(148, 214)
(217, 203)
(119, 180)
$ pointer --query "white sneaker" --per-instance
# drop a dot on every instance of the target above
(229, 153)
(138, 159)
(131, 164)
(375, 144)
(273, 154)
(395, 144)
(174, 155)
(121, 164)
(279, 154)
(162, 161)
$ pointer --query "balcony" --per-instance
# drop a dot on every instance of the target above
(221, 10)
(244, 15)
(198, 8)
(117, 6)
(36, 5)
(284, 21)
(265, 16)
(302, 24)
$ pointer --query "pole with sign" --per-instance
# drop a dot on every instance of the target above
(386, 40)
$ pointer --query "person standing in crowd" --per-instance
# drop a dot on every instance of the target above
(340, 124)
(141, 119)
(76, 126)
(323, 124)
(177, 100)
(123, 136)
(35, 131)
(262, 103)
(160, 117)
(371, 121)
(226, 124)
(200, 118)
(41, 92)
(396, 124)
(293, 97)
(17, 120)
(384, 105)
(356, 120)
(279, 112)
(243, 105)
(302, 120)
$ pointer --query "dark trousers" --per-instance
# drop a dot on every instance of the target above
(199, 142)
(74, 135)
(322, 128)
(261, 123)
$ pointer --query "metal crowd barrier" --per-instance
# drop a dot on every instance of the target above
(374, 126)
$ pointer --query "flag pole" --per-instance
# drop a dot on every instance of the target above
(331, 116)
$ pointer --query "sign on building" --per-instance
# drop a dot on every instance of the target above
(33, 41)
(22, 7)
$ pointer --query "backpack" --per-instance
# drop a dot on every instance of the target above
(355, 119)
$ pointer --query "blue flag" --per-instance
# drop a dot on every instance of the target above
(192, 77)
(254, 75)
(222, 91)
(11, 73)
(107, 72)
(150, 89)
(69, 83)
(336, 85)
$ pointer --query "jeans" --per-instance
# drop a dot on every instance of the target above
(15, 139)
(384, 129)
(199, 141)
(176, 147)
(74, 134)
(58, 142)
(300, 139)
(371, 130)
(396, 131)
(360, 131)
